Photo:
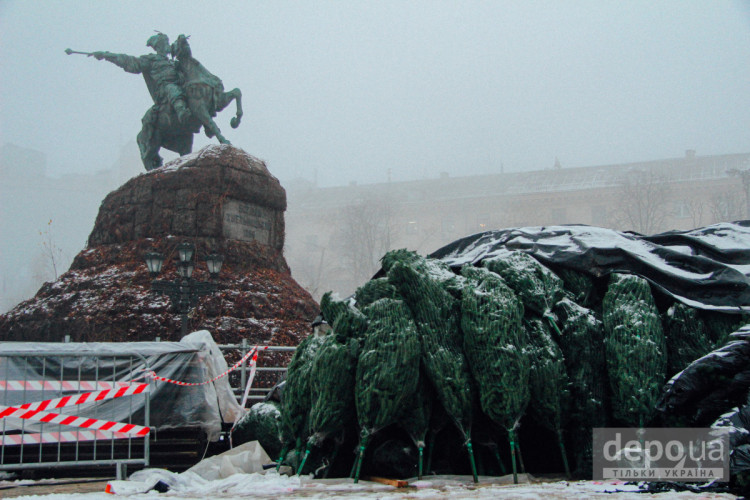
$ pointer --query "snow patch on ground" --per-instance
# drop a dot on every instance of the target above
(274, 486)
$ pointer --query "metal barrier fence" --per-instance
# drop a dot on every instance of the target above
(61, 409)
(271, 369)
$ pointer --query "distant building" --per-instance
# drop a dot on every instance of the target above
(45, 220)
(336, 235)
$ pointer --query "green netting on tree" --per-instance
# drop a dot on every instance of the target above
(332, 385)
(538, 288)
(373, 290)
(434, 312)
(635, 348)
(435, 269)
(548, 382)
(388, 368)
(297, 401)
(720, 325)
(687, 337)
(401, 255)
(345, 319)
(415, 419)
(548, 378)
(580, 285)
(494, 345)
(262, 422)
(582, 345)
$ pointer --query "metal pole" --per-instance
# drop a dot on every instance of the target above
(184, 304)
(243, 370)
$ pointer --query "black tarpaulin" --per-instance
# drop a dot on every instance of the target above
(705, 268)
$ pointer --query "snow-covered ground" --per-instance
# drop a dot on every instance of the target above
(275, 486)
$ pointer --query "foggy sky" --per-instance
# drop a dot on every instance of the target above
(343, 90)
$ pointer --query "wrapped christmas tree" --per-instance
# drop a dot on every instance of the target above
(548, 383)
(435, 313)
(538, 288)
(582, 346)
(375, 289)
(494, 344)
(388, 369)
(634, 347)
(332, 386)
(261, 423)
(297, 401)
(415, 418)
(686, 337)
(581, 286)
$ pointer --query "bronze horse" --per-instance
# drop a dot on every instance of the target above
(205, 97)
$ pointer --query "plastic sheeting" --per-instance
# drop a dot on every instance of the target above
(196, 358)
(706, 268)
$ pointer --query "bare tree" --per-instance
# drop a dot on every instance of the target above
(744, 175)
(642, 201)
(365, 233)
(51, 253)
(728, 207)
(310, 269)
(695, 210)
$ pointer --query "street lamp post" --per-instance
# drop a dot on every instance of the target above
(184, 291)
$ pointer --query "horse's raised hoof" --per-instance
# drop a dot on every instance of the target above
(235, 121)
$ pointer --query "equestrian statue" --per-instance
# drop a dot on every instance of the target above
(186, 97)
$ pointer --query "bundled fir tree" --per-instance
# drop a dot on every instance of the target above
(581, 286)
(332, 385)
(343, 317)
(388, 369)
(375, 289)
(538, 288)
(582, 346)
(435, 313)
(436, 270)
(262, 422)
(635, 349)
(330, 372)
(686, 337)
(297, 401)
(415, 419)
(494, 344)
(548, 383)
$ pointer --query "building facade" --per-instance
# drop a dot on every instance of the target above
(336, 235)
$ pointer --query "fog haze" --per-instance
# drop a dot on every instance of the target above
(349, 89)
(338, 92)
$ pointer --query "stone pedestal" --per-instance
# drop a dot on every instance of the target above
(218, 193)
(221, 199)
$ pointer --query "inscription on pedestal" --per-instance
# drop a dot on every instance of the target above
(247, 222)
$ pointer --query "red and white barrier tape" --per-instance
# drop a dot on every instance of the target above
(251, 352)
(73, 421)
(59, 385)
(59, 437)
(86, 397)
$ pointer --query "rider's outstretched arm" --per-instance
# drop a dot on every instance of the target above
(131, 64)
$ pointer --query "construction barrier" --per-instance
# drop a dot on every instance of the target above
(73, 409)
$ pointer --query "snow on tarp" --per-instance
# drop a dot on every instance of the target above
(707, 268)
(193, 359)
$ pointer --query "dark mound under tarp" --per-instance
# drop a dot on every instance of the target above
(705, 268)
